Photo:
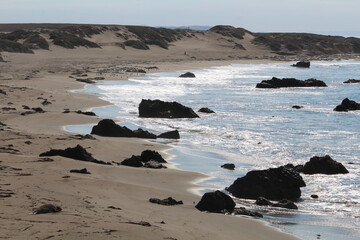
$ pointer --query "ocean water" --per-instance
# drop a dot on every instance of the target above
(257, 129)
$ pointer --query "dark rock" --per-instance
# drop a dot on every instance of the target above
(352, 81)
(285, 204)
(140, 133)
(109, 128)
(148, 155)
(314, 196)
(8, 108)
(244, 211)
(2, 92)
(78, 153)
(187, 75)
(170, 135)
(160, 109)
(153, 164)
(86, 113)
(25, 107)
(167, 201)
(47, 208)
(261, 201)
(347, 105)
(273, 183)
(206, 110)
(82, 171)
(99, 78)
(134, 161)
(297, 107)
(290, 82)
(216, 202)
(229, 166)
(302, 64)
(324, 165)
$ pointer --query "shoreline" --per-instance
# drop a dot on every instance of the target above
(44, 131)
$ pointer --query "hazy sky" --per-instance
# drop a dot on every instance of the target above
(256, 15)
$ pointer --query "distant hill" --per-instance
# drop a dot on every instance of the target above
(27, 38)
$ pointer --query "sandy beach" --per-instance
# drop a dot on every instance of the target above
(42, 80)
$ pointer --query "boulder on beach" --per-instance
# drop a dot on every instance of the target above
(148, 155)
(77, 153)
(347, 105)
(273, 183)
(302, 64)
(216, 202)
(187, 75)
(170, 135)
(290, 82)
(352, 81)
(148, 159)
(160, 109)
(108, 128)
(133, 161)
(324, 165)
(206, 110)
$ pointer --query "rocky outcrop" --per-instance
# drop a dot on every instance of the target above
(206, 110)
(352, 81)
(290, 82)
(148, 155)
(170, 135)
(229, 166)
(216, 202)
(324, 165)
(77, 153)
(302, 64)
(108, 128)
(347, 105)
(160, 109)
(187, 75)
(148, 159)
(167, 201)
(273, 183)
(134, 161)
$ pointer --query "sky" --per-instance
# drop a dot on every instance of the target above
(319, 16)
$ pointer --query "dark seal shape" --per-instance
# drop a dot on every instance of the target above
(47, 208)
(187, 75)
